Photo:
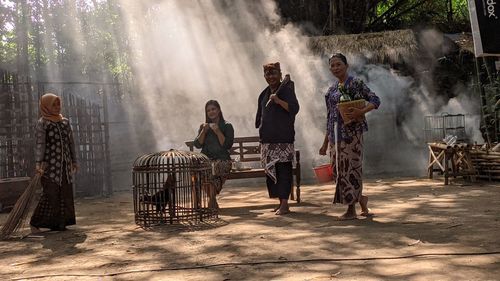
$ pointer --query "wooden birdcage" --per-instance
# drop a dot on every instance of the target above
(173, 187)
(438, 127)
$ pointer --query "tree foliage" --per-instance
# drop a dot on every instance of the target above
(86, 40)
(347, 16)
(446, 15)
(65, 40)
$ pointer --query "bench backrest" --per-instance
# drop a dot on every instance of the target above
(247, 149)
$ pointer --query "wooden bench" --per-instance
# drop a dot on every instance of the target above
(247, 149)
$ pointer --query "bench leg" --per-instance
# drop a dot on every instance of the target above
(297, 179)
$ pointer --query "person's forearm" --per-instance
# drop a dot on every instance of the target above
(283, 104)
(325, 141)
(201, 137)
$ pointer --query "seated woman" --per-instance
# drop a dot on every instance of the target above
(215, 138)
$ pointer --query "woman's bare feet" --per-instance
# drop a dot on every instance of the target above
(365, 211)
(350, 214)
(346, 217)
(277, 208)
(283, 208)
(282, 211)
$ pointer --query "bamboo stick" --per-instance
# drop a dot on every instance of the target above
(488, 176)
(485, 152)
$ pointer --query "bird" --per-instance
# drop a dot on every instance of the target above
(161, 198)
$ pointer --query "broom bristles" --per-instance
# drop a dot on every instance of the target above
(22, 208)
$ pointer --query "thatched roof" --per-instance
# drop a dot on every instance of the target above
(382, 47)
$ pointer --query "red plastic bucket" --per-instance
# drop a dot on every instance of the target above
(324, 173)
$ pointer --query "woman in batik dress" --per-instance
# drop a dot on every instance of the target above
(215, 138)
(345, 141)
(56, 162)
(277, 107)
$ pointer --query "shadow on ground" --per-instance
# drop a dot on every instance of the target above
(412, 217)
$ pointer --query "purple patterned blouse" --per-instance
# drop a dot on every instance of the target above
(360, 91)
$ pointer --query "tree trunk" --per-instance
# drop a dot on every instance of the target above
(347, 16)
(22, 40)
(450, 11)
(38, 42)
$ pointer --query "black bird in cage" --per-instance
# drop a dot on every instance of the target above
(161, 198)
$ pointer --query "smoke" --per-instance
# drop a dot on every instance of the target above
(188, 52)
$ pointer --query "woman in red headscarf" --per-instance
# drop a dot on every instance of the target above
(277, 107)
(56, 162)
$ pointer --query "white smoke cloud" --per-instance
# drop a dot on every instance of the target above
(191, 51)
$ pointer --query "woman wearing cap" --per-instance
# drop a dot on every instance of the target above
(345, 140)
(56, 162)
(277, 107)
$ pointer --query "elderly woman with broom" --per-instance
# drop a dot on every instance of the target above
(55, 162)
(347, 102)
(276, 111)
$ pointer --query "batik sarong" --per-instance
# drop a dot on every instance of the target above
(277, 161)
(347, 164)
(220, 171)
(272, 153)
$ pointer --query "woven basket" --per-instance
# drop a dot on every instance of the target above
(344, 109)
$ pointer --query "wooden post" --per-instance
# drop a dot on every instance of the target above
(297, 176)
(107, 168)
(446, 168)
(430, 169)
(482, 101)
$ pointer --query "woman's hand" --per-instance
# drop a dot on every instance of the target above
(323, 149)
(204, 127)
(214, 127)
(274, 97)
(39, 168)
(74, 168)
(355, 114)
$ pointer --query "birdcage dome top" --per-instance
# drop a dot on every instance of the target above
(171, 159)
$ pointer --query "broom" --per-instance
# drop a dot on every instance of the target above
(23, 207)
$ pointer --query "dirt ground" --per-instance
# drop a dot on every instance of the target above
(422, 230)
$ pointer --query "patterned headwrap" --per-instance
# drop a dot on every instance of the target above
(272, 66)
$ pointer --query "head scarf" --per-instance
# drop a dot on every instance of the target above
(46, 110)
(272, 66)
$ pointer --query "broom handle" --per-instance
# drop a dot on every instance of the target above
(285, 81)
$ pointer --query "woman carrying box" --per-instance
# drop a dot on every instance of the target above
(344, 135)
